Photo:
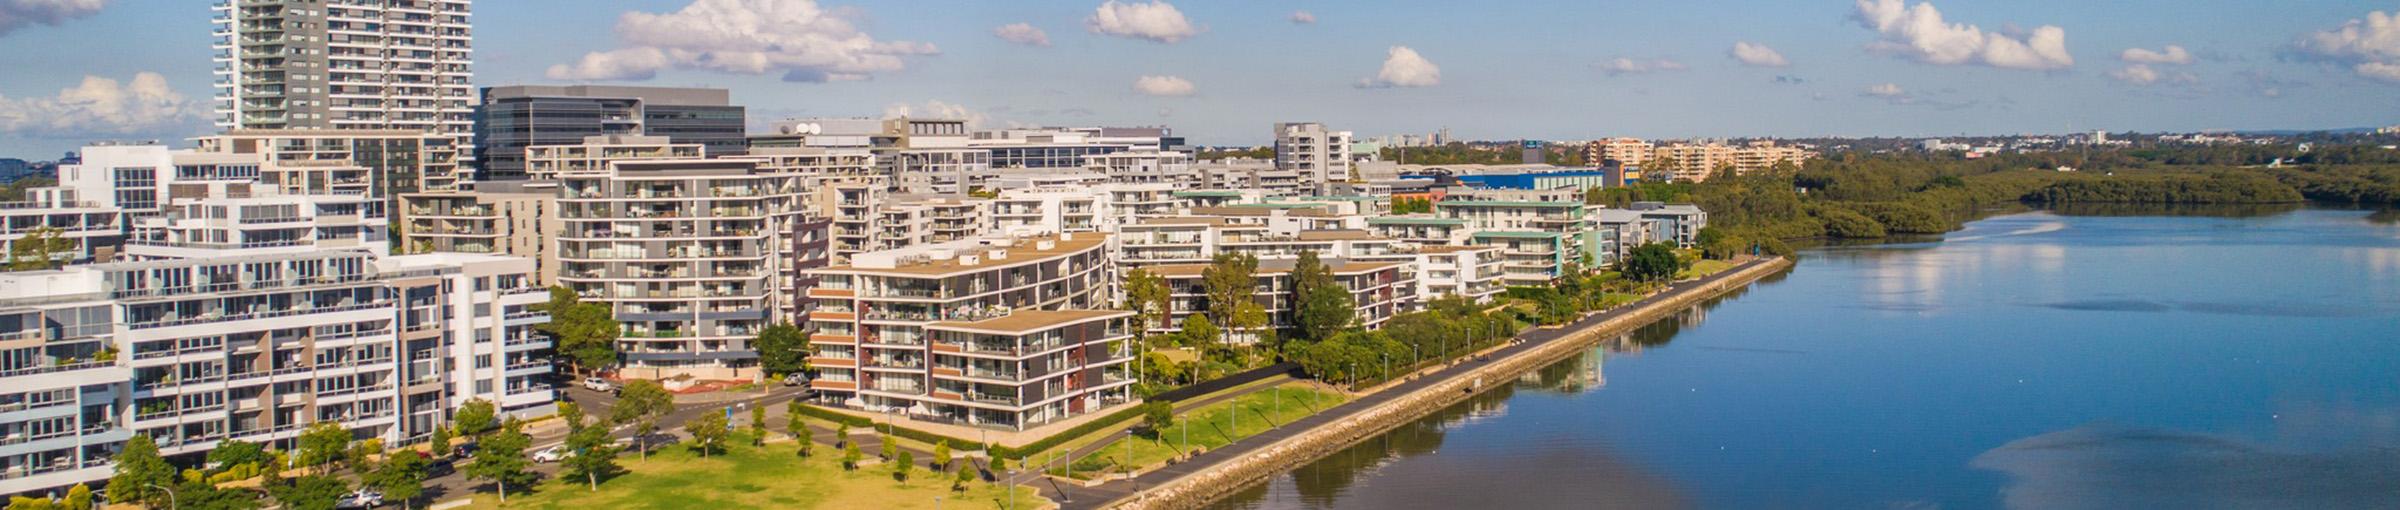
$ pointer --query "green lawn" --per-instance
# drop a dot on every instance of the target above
(675, 477)
(1702, 268)
(1212, 426)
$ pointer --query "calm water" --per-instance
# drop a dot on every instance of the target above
(2030, 361)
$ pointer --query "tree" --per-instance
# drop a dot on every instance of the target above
(400, 477)
(323, 443)
(966, 475)
(841, 434)
(1146, 294)
(999, 463)
(642, 403)
(900, 469)
(140, 473)
(890, 448)
(39, 249)
(1325, 307)
(235, 452)
(572, 414)
(758, 425)
(941, 455)
(501, 458)
(782, 349)
(1230, 280)
(586, 333)
(796, 426)
(851, 456)
(440, 442)
(79, 497)
(1157, 416)
(1652, 262)
(708, 432)
(476, 417)
(312, 492)
(593, 457)
(1199, 333)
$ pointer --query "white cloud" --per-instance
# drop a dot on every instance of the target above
(1023, 33)
(1758, 55)
(102, 107)
(2371, 47)
(792, 37)
(2145, 75)
(2389, 73)
(1163, 86)
(1624, 66)
(1919, 33)
(2172, 54)
(1403, 67)
(1887, 90)
(15, 14)
(1304, 18)
(1156, 21)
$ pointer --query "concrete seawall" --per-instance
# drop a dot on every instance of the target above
(1216, 482)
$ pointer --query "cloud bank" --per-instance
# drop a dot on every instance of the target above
(795, 38)
(101, 107)
(15, 14)
(1919, 33)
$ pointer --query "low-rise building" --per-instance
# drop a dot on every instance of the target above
(999, 332)
(1378, 291)
(515, 218)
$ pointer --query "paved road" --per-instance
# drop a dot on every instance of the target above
(1099, 496)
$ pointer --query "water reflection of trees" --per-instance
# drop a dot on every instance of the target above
(2192, 210)
(1320, 484)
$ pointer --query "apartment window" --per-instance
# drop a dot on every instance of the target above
(483, 386)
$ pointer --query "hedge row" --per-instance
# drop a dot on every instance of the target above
(961, 444)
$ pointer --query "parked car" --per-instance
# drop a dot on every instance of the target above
(599, 385)
(362, 498)
(464, 450)
(795, 379)
(551, 454)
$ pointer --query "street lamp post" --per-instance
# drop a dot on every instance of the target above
(171, 505)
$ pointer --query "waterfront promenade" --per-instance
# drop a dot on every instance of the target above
(1216, 473)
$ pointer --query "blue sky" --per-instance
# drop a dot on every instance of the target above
(1506, 69)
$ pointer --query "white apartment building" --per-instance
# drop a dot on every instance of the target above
(1378, 290)
(1546, 234)
(867, 218)
(1321, 156)
(346, 64)
(1144, 166)
(995, 332)
(547, 162)
(379, 163)
(253, 347)
(93, 232)
(695, 256)
(516, 218)
(208, 219)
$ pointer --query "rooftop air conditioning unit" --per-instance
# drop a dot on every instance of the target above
(998, 255)
(969, 260)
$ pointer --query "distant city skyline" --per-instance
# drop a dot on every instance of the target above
(1224, 73)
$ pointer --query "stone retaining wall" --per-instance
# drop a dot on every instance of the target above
(1200, 489)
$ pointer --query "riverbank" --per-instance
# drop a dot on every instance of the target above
(1207, 477)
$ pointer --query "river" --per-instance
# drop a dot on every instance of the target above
(2106, 358)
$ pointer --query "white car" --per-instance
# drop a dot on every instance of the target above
(551, 454)
(599, 384)
(362, 498)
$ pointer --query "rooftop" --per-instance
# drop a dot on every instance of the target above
(944, 259)
(1407, 220)
(1272, 267)
(1503, 203)
(1518, 235)
(1028, 321)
